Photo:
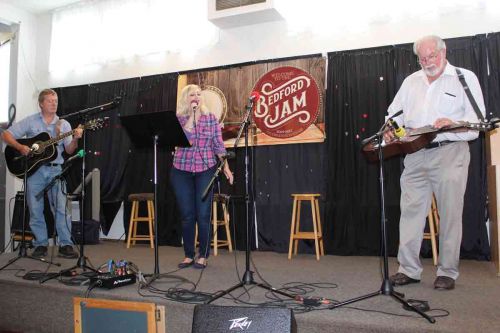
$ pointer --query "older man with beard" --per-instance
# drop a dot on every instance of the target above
(434, 96)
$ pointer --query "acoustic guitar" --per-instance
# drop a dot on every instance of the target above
(416, 139)
(43, 150)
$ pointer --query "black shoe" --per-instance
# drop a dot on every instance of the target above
(185, 264)
(67, 251)
(39, 251)
(200, 265)
(444, 283)
(400, 279)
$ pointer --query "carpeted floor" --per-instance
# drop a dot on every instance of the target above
(31, 306)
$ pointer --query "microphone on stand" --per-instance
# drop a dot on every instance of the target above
(254, 96)
(398, 131)
(80, 154)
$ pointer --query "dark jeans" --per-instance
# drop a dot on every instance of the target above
(188, 188)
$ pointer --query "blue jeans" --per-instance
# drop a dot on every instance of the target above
(188, 188)
(36, 183)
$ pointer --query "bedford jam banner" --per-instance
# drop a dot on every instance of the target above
(289, 102)
(290, 108)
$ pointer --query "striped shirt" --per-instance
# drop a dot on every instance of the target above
(206, 143)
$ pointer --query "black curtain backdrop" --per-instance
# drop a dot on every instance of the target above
(360, 86)
(124, 168)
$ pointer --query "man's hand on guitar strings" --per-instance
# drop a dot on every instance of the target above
(389, 135)
(442, 122)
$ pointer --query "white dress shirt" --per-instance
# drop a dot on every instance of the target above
(423, 102)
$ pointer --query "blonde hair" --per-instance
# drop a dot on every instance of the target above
(43, 93)
(183, 108)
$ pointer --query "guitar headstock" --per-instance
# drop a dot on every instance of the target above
(481, 126)
(95, 124)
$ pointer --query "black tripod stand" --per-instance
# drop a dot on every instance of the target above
(23, 253)
(248, 275)
(82, 260)
(386, 288)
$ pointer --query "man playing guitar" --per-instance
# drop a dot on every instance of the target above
(434, 96)
(46, 121)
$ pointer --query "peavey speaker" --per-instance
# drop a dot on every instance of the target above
(213, 318)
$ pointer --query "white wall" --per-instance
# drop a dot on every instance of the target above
(280, 39)
(25, 89)
(347, 26)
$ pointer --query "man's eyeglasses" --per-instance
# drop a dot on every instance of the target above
(430, 57)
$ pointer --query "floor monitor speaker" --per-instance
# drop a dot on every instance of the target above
(214, 318)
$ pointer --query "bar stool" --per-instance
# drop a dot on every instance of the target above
(136, 199)
(433, 219)
(296, 234)
(223, 201)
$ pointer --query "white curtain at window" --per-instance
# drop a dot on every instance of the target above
(4, 81)
(100, 31)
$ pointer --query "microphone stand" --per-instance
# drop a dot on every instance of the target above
(248, 275)
(82, 260)
(386, 287)
(23, 253)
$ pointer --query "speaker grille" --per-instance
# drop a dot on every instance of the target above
(213, 318)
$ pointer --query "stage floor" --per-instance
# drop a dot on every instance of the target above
(30, 306)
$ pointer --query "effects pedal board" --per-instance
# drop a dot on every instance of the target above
(110, 281)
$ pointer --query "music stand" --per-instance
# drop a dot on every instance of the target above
(157, 129)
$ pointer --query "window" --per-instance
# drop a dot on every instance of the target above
(4, 81)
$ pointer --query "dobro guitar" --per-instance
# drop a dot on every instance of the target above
(417, 138)
(43, 150)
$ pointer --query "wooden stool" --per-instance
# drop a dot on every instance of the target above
(296, 234)
(137, 198)
(223, 200)
(433, 219)
(17, 237)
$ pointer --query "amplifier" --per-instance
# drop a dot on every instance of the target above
(110, 281)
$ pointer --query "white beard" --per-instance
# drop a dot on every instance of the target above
(433, 70)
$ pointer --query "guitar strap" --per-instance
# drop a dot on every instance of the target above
(461, 78)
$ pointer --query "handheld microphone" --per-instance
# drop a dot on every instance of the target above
(80, 154)
(194, 105)
(398, 131)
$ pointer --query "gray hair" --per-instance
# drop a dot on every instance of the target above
(440, 44)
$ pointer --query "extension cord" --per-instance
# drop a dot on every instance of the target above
(110, 281)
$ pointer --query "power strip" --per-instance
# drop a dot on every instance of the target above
(110, 281)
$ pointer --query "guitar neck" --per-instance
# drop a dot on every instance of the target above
(57, 139)
(460, 126)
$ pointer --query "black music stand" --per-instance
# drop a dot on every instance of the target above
(157, 129)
